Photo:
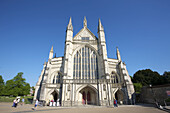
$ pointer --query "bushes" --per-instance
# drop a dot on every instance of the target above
(6, 99)
(168, 99)
(28, 99)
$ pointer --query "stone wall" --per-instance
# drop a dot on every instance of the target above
(154, 93)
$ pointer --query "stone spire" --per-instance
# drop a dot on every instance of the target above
(100, 32)
(69, 26)
(100, 27)
(118, 54)
(85, 22)
(51, 53)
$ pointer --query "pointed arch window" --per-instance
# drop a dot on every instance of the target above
(85, 64)
(114, 78)
(56, 79)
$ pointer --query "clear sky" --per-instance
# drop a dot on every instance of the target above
(28, 29)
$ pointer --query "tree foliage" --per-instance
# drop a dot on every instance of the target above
(147, 77)
(166, 77)
(1, 85)
(137, 87)
(17, 86)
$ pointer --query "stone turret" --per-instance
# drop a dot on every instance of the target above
(102, 47)
(68, 48)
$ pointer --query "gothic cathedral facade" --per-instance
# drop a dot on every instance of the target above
(84, 75)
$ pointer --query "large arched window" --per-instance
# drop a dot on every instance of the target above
(56, 79)
(85, 64)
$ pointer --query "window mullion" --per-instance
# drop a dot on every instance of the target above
(90, 66)
(81, 63)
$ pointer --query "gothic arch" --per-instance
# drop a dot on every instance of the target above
(53, 94)
(87, 45)
(55, 73)
(52, 90)
(119, 96)
(114, 77)
(87, 94)
(87, 85)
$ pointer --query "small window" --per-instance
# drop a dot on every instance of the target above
(85, 38)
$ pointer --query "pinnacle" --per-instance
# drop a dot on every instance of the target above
(85, 22)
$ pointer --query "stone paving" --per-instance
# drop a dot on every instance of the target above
(6, 108)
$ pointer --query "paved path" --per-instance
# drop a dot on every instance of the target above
(6, 108)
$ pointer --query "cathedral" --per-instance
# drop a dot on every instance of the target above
(84, 75)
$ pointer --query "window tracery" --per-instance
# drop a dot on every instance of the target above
(85, 64)
(114, 78)
(56, 79)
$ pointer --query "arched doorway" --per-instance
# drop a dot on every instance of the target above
(119, 96)
(89, 96)
(55, 96)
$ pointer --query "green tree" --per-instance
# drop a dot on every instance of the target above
(9, 88)
(166, 77)
(2, 85)
(17, 86)
(147, 77)
(137, 87)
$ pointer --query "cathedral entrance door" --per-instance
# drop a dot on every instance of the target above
(119, 96)
(55, 96)
(89, 96)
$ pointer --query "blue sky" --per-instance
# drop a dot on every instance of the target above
(28, 29)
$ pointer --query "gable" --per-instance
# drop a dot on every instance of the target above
(84, 34)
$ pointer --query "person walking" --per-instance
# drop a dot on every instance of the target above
(22, 101)
(36, 103)
(115, 103)
(14, 103)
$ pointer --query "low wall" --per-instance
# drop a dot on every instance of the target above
(154, 93)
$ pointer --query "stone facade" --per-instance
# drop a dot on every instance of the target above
(84, 75)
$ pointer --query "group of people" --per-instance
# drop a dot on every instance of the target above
(16, 101)
(53, 103)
